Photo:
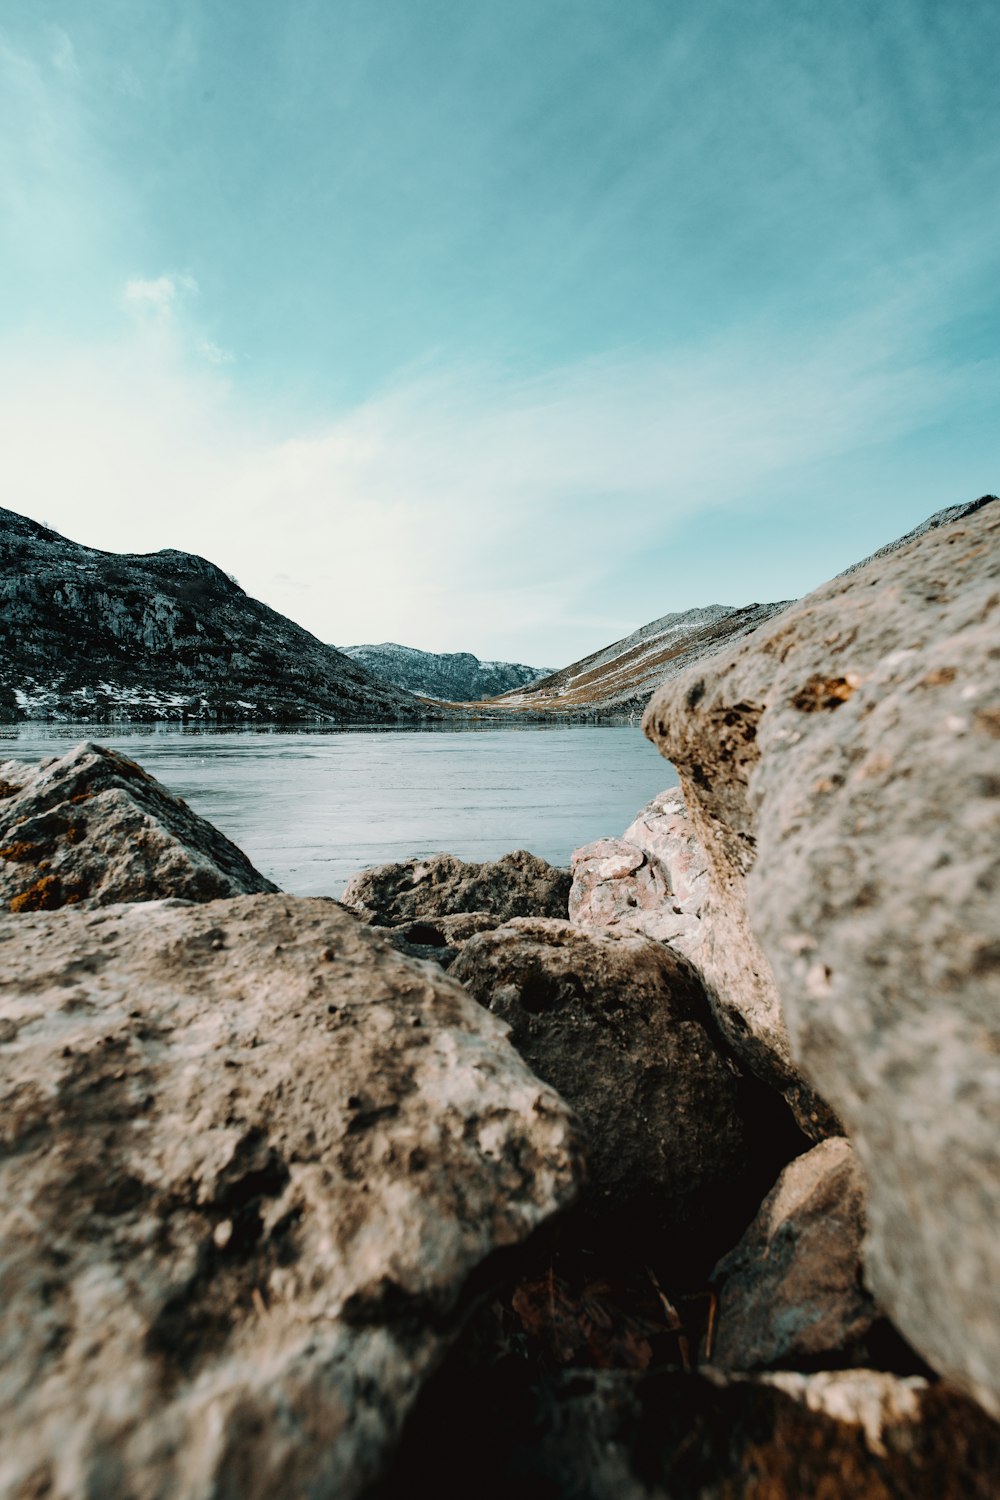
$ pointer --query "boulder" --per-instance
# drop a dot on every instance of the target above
(651, 880)
(842, 771)
(92, 828)
(251, 1161)
(791, 1290)
(439, 939)
(518, 885)
(619, 1025)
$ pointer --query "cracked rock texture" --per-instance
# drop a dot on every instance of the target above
(620, 1026)
(842, 769)
(791, 1290)
(651, 880)
(517, 885)
(249, 1159)
(92, 828)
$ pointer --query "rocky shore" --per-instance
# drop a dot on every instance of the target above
(674, 1176)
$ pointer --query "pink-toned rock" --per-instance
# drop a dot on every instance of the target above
(651, 880)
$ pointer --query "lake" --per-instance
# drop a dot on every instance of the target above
(311, 807)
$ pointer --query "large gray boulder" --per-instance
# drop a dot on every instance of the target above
(619, 1025)
(792, 1289)
(517, 885)
(842, 771)
(251, 1158)
(92, 828)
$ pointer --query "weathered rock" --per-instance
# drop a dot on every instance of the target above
(611, 1435)
(841, 769)
(791, 1290)
(618, 1024)
(249, 1159)
(92, 828)
(651, 880)
(439, 939)
(518, 885)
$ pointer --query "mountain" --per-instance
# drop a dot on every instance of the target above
(617, 680)
(455, 676)
(95, 635)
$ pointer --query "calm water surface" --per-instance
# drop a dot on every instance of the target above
(311, 807)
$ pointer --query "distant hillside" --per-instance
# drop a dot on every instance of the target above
(939, 518)
(455, 676)
(101, 635)
(618, 679)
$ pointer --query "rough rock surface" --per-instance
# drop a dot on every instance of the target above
(91, 635)
(791, 1290)
(92, 827)
(517, 885)
(618, 1024)
(653, 879)
(610, 1435)
(439, 939)
(842, 770)
(250, 1159)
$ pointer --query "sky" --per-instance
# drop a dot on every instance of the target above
(499, 325)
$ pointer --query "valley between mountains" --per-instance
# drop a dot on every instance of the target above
(99, 637)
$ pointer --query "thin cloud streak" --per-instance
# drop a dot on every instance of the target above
(459, 503)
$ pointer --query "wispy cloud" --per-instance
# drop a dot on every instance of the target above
(460, 506)
(768, 294)
(158, 297)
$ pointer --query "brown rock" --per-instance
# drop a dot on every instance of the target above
(518, 885)
(250, 1159)
(439, 939)
(841, 770)
(611, 1435)
(791, 1290)
(92, 828)
(618, 1024)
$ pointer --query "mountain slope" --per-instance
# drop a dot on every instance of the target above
(618, 679)
(455, 676)
(86, 634)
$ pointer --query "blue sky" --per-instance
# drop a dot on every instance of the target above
(499, 326)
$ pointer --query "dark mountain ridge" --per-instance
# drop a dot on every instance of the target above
(455, 676)
(93, 635)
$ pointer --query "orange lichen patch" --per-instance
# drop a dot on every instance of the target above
(988, 719)
(24, 853)
(81, 797)
(8, 789)
(45, 895)
(824, 693)
(940, 677)
(75, 832)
